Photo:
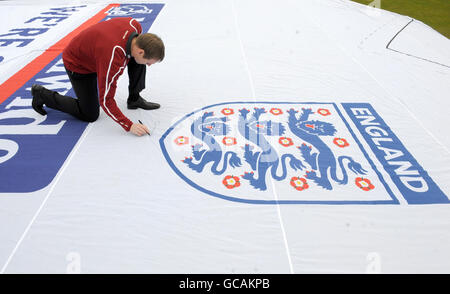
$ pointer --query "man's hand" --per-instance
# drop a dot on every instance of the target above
(139, 129)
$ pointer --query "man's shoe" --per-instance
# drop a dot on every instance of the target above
(38, 102)
(141, 103)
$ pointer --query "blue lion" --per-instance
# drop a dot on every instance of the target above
(267, 159)
(325, 161)
(206, 128)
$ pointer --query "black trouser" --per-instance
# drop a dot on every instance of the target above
(86, 107)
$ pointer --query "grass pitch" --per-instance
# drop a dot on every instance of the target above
(435, 13)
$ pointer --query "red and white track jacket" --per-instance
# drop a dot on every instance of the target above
(101, 49)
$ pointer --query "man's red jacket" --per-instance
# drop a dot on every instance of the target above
(101, 49)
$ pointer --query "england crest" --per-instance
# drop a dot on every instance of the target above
(289, 153)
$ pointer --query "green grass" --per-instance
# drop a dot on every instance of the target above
(435, 13)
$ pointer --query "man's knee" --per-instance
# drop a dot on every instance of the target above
(91, 117)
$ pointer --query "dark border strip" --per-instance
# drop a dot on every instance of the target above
(407, 54)
(387, 46)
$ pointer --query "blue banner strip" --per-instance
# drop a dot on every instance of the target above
(413, 182)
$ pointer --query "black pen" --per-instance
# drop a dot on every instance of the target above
(143, 125)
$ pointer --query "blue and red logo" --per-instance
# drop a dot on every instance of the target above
(288, 153)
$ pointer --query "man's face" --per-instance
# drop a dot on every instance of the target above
(142, 60)
(138, 55)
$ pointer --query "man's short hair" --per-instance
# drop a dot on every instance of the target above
(152, 45)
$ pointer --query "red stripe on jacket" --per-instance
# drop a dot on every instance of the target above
(101, 49)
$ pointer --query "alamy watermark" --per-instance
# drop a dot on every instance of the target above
(74, 265)
(373, 263)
